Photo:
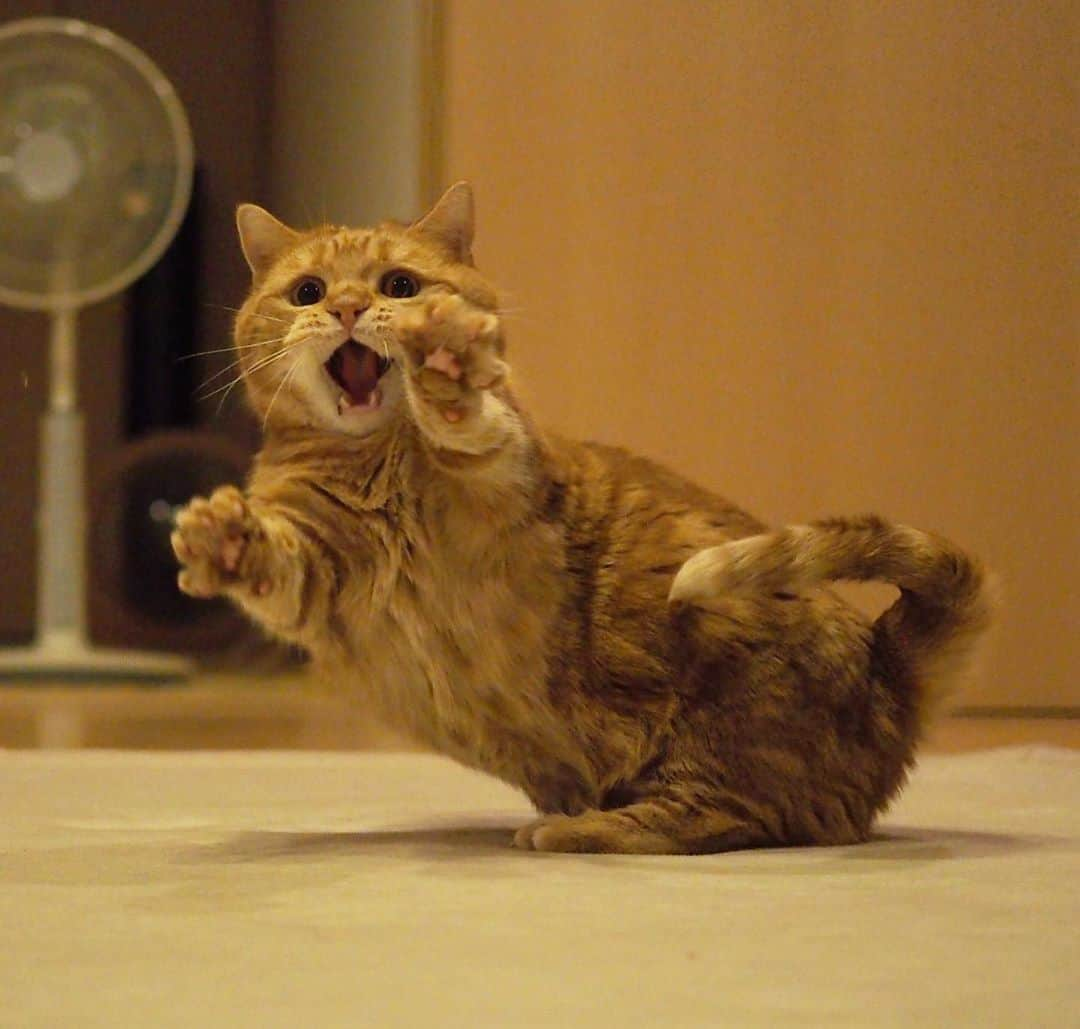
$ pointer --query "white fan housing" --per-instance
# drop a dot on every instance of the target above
(96, 167)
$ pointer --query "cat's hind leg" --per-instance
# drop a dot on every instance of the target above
(660, 824)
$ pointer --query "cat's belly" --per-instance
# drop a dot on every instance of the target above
(491, 727)
(478, 654)
(467, 678)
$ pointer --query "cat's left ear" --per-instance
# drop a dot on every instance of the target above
(262, 237)
(449, 224)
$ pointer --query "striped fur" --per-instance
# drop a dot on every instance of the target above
(655, 670)
(946, 603)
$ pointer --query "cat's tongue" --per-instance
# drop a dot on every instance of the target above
(356, 369)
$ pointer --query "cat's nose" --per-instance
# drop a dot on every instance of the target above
(347, 312)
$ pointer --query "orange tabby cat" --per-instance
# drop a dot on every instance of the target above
(657, 671)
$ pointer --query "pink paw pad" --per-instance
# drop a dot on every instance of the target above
(441, 360)
(230, 553)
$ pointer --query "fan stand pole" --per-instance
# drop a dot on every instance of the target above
(62, 651)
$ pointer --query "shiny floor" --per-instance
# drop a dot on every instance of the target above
(289, 711)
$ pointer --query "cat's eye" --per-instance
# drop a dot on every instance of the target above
(399, 285)
(307, 292)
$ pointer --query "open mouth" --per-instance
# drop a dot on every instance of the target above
(357, 369)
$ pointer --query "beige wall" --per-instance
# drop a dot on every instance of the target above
(814, 255)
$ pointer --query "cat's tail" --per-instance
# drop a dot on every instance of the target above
(947, 598)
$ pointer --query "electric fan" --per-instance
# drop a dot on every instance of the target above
(95, 176)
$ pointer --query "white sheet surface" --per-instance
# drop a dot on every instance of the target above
(289, 889)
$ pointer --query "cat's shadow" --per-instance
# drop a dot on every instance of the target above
(897, 842)
(431, 843)
(452, 843)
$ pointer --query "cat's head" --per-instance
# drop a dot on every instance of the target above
(315, 337)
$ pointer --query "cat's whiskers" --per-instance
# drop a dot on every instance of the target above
(229, 350)
(232, 364)
(225, 395)
(260, 364)
(518, 315)
(284, 379)
(258, 314)
(228, 388)
(217, 375)
(225, 370)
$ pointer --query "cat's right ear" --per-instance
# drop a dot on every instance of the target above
(449, 224)
(262, 237)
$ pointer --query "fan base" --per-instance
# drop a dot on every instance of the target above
(66, 658)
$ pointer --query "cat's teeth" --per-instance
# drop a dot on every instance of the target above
(372, 401)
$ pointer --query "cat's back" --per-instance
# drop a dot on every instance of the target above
(610, 499)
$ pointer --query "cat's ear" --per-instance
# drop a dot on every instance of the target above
(449, 224)
(262, 237)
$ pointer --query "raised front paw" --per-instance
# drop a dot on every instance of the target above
(219, 543)
(454, 352)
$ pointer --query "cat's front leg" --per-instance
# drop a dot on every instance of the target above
(225, 547)
(454, 368)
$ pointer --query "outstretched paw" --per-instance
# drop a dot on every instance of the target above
(217, 541)
(455, 352)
